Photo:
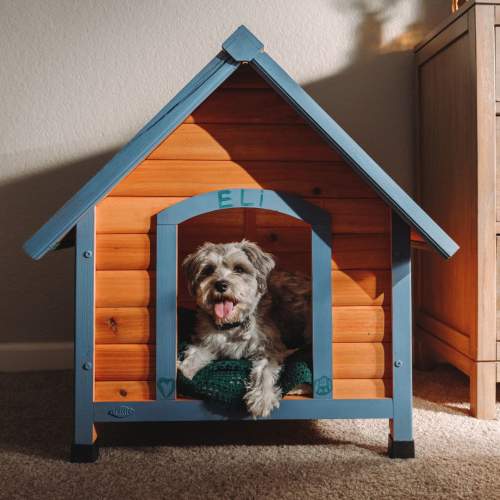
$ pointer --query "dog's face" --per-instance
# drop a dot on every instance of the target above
(228, 279)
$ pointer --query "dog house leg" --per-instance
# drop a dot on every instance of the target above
(84, 447)
(401, 443)
(85, 453)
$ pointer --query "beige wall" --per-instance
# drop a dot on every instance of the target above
(78, 78)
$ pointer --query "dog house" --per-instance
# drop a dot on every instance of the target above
(241, 151)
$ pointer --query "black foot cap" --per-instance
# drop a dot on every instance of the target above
(401, 449)
(84, 453)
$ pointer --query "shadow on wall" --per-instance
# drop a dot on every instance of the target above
(373, 97)
(37, 297)
(370, 98)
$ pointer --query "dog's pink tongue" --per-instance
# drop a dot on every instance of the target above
(223, 309)
(228, 307)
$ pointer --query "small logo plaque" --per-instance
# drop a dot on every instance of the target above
(121, 412)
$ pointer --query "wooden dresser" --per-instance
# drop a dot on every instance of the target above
(458, 116)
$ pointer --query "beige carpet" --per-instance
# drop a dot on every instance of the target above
(458, 456)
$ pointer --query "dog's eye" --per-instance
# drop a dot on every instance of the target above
(239, 269)
(207, 270)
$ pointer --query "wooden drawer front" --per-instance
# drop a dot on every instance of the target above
(498, 293)
(497, 181)
(497, 64)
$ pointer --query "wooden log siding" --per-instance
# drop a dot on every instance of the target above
(233, 141)
(135, 325)
(145, 390)
(233, 106)
(137, 288)
(186, 178)
(137, 251)
(136, 361)
(244, 142)
(136, 215)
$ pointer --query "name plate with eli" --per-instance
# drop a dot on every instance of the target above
(244, 198)
(240, 198)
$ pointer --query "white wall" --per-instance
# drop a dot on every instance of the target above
(79, 77)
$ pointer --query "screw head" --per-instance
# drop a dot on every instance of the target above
(87, 365)
(398, 363)
(87, 254)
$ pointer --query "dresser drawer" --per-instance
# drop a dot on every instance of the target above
(498, 297)
(497, 66)
(497, 164)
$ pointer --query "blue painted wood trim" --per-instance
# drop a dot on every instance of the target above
(227, 199)
(321, 254)
(242, 45)
(166, 311)
(401, 330)
(195, 92)
(212, 201)
(220, 60)
(84, 330)
(354, 154)
(192, 410)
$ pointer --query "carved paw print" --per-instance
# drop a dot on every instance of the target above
(323, 386)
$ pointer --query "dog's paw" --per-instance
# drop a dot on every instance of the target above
(188, 369)
(260, 403)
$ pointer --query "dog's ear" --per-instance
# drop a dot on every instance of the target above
(262, 261)
(189, 267)
(193, 263)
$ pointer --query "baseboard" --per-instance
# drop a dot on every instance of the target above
(36, 356)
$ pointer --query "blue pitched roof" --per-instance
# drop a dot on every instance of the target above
(241, 46)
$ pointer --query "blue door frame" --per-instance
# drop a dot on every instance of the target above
(167, 222)
(165, 408)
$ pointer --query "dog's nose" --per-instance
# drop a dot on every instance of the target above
(221, 285)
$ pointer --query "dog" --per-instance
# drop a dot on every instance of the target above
(246, 309)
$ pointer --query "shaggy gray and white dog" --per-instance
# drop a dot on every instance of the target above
(246, 310)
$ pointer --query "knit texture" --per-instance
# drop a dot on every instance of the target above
(224, 381)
